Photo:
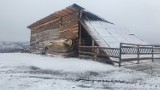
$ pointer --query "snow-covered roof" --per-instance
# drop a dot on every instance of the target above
(107, 34)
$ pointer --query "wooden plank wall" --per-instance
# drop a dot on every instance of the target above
(70, 26)
(44, 33)
(63, 28)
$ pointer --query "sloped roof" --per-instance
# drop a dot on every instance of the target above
(107, 34)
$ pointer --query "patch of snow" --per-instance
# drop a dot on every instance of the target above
(54, 63)
(34, 72)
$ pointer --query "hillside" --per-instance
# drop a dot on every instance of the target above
(34, 72)
(13, 46)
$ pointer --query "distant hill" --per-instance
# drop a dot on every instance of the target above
(6, 47)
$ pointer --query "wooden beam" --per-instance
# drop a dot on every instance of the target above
(152, 54)
(79, 39)
(62, 13)
(93, 42)
(46, 23)
(138, 53)
(70, 29)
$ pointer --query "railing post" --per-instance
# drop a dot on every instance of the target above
(152, 54)
(79, 37)
(95, 53)
(138, 53)
(120, 56)
(79, 51)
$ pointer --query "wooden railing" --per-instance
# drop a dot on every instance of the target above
(138, 52)
(99, 51)
(135, 52)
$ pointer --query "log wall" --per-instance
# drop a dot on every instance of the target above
(69, 26)
(62, 28)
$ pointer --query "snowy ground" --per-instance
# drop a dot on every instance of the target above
(34, 72)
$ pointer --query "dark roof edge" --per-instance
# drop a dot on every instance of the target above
(94, 17)
(76, 6)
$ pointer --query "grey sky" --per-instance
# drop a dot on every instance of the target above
(140, 16)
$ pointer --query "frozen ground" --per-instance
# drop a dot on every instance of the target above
(33, 72)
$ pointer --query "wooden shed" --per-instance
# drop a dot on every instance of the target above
(58, 32)
(65, 30)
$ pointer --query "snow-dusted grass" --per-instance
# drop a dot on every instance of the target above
(54, 63)
(34, 72)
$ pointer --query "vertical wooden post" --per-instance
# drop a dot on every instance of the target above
(138, 53)
(95, 53)
(80, 28)
(79, 40)
(93, 50)
(92, 42)
(80, 14)
(79, 51)
(152, 54)
(120, 56)
(80, 34)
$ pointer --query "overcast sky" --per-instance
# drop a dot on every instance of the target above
(140, 16)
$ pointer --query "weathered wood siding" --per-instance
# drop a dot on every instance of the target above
(43, 34)
(63, 28)
(69, 26)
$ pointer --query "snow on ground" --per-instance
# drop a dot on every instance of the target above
(34, 72)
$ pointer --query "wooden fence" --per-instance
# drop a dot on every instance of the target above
(126, 52)
(99, 51)
(138, 52)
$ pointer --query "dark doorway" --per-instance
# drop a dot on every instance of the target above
(86, 39)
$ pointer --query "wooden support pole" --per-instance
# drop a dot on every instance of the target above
(95, 53)
(120, 56)
(138, 53)
(93, 42)
(152, 54)
(80, 29)
(93, 49)
(79, 40)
